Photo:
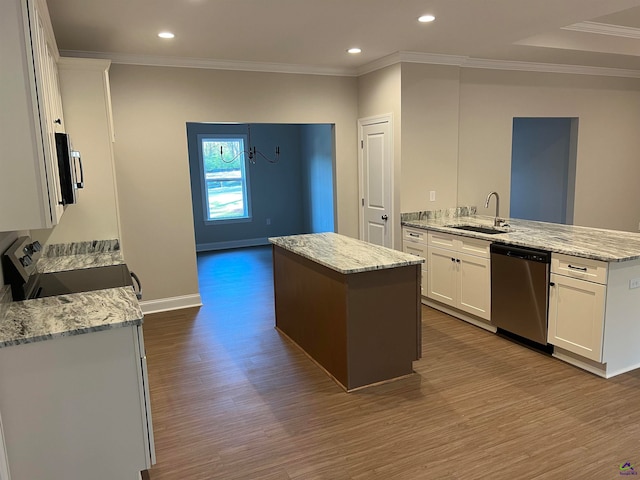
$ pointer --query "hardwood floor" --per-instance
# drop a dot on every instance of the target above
(232, 399)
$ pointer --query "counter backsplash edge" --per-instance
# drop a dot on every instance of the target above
(80, 248)
(443, 213)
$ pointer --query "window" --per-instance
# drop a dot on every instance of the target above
(225, 178)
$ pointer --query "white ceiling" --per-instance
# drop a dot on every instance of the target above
(316, 33)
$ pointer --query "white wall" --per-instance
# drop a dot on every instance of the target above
(430, 100)
(84, 86)
(379, 93)
(151, 106)
(607, 166)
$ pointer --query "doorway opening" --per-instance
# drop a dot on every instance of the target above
(543, 169)
(241, 199)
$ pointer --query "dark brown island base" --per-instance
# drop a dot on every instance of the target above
(352, 307)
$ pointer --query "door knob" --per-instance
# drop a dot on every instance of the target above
(385, 217)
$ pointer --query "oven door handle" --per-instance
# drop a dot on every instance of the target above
(139, 285)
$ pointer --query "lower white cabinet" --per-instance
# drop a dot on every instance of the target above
(75, 407)
(460, 280)
(577, 300)
(576, 316)
(414, 242)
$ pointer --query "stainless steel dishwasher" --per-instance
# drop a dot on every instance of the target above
(520, 291)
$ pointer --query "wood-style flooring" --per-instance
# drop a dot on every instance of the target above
(232, 399)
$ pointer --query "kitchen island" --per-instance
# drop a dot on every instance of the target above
(352, 307)
(593, 312)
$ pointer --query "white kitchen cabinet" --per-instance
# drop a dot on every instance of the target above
(577, 299)
(576, 316)
(459, 273)
(414, 241)
(31, 111)
(77, 407)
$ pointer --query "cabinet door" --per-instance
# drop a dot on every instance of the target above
(441, 272)
(49, 105)
(474, 285)
(576, 316)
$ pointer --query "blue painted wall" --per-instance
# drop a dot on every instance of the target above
(292, 195)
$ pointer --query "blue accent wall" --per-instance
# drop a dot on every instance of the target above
(543, 169)
(290, 197)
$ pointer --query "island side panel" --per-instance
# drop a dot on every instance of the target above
(383, 327)
(310, 307)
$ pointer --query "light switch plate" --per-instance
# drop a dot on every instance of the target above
(432, 196)
(634, 283)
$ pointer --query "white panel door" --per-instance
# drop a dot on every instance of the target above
(376, 225)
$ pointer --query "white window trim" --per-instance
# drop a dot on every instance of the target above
(203, 181)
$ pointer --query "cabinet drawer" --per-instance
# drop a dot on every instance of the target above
(474, 246)
(582, 268)
(415, 248)
(444, 240)
(414, 235)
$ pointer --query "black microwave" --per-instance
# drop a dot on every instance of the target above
(69, 168)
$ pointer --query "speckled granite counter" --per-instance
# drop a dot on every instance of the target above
(344, 254)
(594, 243)
(65, 315)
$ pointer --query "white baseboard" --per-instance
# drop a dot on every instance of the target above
(171, 303)
(249, 242)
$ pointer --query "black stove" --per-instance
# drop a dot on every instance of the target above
(19, 268)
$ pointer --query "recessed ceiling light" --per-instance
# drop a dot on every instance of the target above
(426, 18)
(354, 50)
(166, 35)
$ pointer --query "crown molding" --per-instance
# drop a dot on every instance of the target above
(392, 59)
(205, 63)
(550, 68)
(604, 29)
(468, 62)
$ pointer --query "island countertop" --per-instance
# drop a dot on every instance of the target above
(586, 242)
(343, 254)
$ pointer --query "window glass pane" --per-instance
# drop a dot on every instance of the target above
(225, 182)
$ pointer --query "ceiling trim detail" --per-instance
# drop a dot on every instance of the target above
(394, 58)
(187, 62)
(468, 62)
(604, 29)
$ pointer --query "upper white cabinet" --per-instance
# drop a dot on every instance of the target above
(31, 112)
(459, 273)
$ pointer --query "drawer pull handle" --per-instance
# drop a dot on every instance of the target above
(582, 269)
(414, 235)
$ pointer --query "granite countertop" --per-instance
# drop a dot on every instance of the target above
(65, 315)
(74, 256)
(344, 254)
(74, 314)
(586, 242)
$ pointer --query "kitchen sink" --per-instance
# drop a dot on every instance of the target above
(479, 229)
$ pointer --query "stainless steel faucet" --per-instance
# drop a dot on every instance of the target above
(497, 221)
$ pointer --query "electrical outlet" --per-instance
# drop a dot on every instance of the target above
(432, 196)
(268, 221)
(634, 283)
